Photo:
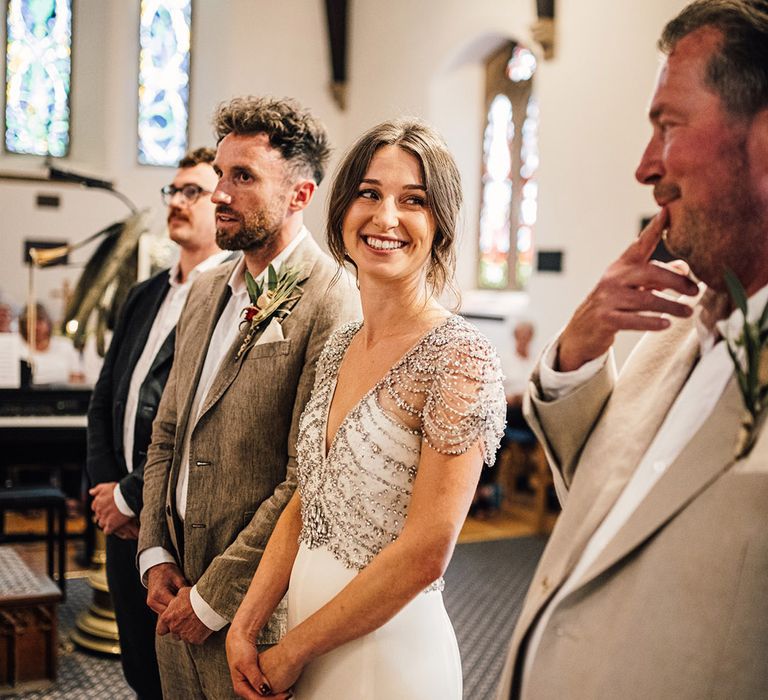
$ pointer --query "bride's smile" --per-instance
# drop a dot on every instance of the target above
(389, 227)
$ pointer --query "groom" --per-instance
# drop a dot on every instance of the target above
(221, 465)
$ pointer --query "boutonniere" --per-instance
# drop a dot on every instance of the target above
(268, 301)
(749, 353)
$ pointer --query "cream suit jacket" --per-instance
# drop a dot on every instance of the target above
(242, 455)
(676, 606)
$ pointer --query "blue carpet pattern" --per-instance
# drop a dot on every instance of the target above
(484, 590)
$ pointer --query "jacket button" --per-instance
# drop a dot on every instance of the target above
(200, 463)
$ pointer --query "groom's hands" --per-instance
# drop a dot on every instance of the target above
(624, 299)
(180, 619)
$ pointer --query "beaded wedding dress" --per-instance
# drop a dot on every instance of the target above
(447, 391)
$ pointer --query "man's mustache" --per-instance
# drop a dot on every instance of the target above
(224, 209)
(664, 192)
(176, 215)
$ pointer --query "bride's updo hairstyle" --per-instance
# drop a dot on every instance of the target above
(441, 178)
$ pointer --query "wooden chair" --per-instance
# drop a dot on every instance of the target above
(53, 501)
(526, 480)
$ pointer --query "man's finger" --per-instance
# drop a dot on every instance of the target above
(644, 245)
(649, 302)
(161, 628)
(662, 278)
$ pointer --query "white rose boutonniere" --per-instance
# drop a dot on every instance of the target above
(749, 352)
(268, 301)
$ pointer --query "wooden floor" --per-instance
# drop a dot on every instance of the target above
(33, 553)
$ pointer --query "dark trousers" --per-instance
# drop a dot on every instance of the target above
(135, 621)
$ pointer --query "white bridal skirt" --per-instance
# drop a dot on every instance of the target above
(414, 655)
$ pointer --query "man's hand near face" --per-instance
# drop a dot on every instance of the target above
(624, 299)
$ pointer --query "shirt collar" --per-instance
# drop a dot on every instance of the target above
(237, 278)
(208, 264)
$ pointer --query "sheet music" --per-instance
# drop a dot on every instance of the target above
(10, 361)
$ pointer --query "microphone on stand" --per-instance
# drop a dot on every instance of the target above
(59, 175)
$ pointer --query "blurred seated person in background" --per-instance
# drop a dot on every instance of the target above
(6, 318)
(517, 363)
(55, 359)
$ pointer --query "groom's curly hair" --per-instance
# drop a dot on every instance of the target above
(301, 138)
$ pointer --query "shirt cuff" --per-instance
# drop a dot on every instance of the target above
(555, 385)
(207, 615)
(152, 557)
(121, 503)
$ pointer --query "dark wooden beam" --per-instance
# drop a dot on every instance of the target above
(544, 28)
(337, 15)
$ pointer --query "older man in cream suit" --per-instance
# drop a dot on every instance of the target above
(221, 465)
(653, 584)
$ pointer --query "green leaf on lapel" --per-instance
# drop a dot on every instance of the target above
(272, 277)
(763, 321)
(736, 290)
(253, 288)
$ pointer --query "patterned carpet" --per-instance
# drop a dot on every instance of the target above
(485, 586)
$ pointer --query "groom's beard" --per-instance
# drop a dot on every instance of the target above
(256, 230)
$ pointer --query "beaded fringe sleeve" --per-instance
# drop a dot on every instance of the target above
(446, 392)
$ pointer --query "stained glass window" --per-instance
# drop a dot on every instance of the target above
(37, 79)
(509, 203)
(497, 195)
(164, 80)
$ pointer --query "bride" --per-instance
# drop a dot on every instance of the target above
(407, 406)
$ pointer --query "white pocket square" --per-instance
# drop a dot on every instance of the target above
(272, 333)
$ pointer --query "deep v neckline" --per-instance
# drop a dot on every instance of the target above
(328, 445)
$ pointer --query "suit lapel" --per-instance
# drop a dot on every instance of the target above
(305, 256)
(704, 459)
(652, 378)
(202, 327)
(139, 339)
(165, 352)
(633, 416)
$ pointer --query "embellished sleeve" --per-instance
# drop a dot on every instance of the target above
(334, 349)
(466, 401)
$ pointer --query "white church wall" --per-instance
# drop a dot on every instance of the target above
(420, 58)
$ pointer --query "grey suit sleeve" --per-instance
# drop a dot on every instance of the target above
(226, 579)
(564, 425)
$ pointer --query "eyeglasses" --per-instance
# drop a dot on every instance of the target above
(189, 193)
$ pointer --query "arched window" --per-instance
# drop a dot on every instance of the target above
(510, 161)
(37, 80)
(164, 38)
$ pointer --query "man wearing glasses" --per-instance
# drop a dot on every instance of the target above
(125, 400)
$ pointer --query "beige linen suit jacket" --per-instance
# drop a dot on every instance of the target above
(676, 606)
(242, 453)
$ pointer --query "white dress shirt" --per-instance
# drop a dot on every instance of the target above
(224, 335)
(693, 405)
(165, 321)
